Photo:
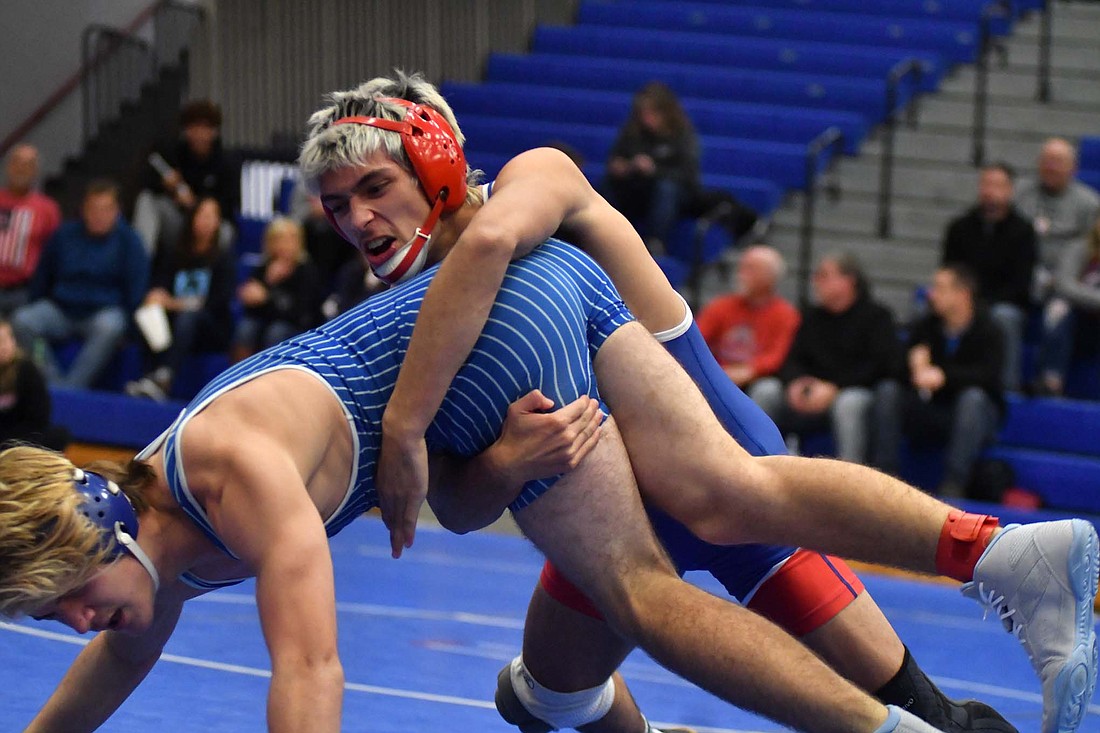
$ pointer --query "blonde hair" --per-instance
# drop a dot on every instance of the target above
(327, 147)
(47, 547)
(280, 226)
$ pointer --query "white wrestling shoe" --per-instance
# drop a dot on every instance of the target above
(1041, 579)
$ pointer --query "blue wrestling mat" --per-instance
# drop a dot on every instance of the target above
(422, 639)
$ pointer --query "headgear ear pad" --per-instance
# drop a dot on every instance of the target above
(433, 150)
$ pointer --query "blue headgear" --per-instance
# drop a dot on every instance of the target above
(110, 510)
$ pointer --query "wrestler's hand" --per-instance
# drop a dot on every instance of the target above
(536, 444)
(402, 486)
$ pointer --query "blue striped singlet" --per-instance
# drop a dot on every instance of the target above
(555, 309)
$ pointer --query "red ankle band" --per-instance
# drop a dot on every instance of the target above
(962, 541)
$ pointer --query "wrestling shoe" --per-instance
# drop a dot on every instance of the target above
(1040, 579)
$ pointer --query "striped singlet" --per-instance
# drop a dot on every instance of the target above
(555, 309)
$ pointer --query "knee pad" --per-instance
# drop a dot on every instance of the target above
(526, 704)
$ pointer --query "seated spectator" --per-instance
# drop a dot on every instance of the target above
(654, 164)
(845, 345)
(327, 249)
(194, 167)
(1061, 208)
(193, 283)
(1073, 309)
(952, 393)
(355, 282)
(24, 399)
(282, 297)
(998, 245)
(90, 279)
(750, 330)
(28, 219)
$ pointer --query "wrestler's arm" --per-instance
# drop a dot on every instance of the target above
(261, 509)
(536, 194)
(468, 494)
(108, 669)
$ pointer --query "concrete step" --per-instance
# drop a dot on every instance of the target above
(950, 185)
(1014, 117)
(1018, 82)
(953, 145)
(858, 218)
(1072, 22)
(1065, 54)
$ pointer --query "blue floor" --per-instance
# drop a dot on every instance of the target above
(422, 639)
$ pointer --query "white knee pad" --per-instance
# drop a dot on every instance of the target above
(902, 721)
(560, 709)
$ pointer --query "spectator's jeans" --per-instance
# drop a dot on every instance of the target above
(848, 417)
(102, 332)
(664, 208)
(157, 218)
(1012, 320)
(1056, 344)
(967, 425)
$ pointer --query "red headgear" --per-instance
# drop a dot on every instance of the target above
(440, 166)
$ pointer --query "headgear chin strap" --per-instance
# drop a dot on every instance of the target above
(110, 510)
(440, 167)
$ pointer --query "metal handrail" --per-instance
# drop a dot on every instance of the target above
(830, 138)
(95, 60)
(991, 10)
(906, 67)
(1042, 92)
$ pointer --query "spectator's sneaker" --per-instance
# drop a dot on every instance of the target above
(1040, 579)
(146, 387)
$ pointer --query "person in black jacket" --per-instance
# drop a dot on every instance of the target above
(952, 392)
(282, 297)
(653, 169)
(24, 399)
(1000, 247)
(180, 173)
(845, 345)
(193, 283)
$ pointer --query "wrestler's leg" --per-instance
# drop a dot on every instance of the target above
(689, 467)
(601, 540)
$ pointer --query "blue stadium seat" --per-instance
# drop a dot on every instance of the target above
(864, 96)
(1088, 154)
(714, 49)
(107, 418)
(957, 41)
(1063, 481)
(570, 106)
(783, 163)
(1059, 426)
(955, 10)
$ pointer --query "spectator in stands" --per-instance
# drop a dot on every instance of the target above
(1074, 310)
(1061, 208)
(28, 219)
(654, 164)
(91, 277)
(282, 297)
(24, 399)
(750, 330)
(952, 392)
(193, 167)
(997, 244)
(193, 282)
(327, 250)
(845, 345)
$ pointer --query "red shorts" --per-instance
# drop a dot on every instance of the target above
(804, 593)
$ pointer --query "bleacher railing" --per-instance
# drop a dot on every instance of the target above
(990, 12)
(118, 63)
(914, 68)
(1042, 92)
(831, 139)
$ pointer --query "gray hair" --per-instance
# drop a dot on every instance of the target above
(771, 257)
(327, 147)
